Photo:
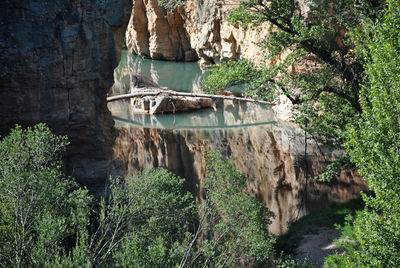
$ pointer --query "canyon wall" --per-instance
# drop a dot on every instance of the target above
(56, 66)
(153, 32)
(194, 30)
(280, 166)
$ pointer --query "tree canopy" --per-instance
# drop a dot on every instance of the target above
(315, 56)
(148, 220)
(373, 145)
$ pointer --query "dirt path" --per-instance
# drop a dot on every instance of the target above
(317, 246)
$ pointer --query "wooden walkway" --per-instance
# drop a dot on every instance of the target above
(182, 94)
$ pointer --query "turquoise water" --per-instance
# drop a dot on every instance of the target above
(227, 115)
(179, 76)
(270, 154)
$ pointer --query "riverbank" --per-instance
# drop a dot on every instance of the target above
(314, 235)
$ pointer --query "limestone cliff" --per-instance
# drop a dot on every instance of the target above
(153, 32)
(56, 66)
(274, 156)
(196, 29)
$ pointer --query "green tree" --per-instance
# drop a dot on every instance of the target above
(153, 222)
(326, 34)
(235, 224)
(40, 211)
(46, 220)
(148, 220)
(163, 219)
(374, 147)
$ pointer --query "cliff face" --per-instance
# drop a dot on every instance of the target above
(280, 168)
(196, 29)
(56, 66)
(154, 33)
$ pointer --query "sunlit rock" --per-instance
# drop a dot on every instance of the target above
(165, 103)
(280, 160)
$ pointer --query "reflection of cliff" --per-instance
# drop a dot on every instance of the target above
(176, 75)
(225, 114)
(271, 155)
(56, 65)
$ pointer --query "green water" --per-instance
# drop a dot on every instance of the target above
(269, 153)
(227, 115)
(179, 76)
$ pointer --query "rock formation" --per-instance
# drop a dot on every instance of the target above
(216, 40)
(280, 168)
(165, 103)
(153, 32)
(195, 30)
(56, 66)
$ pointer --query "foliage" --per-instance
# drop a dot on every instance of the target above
(232, 228)
(373, 146)
(170, 5)
(231, 231)
(163, 217)
(233, 73)
(47, 221)
(40, 210)
(334, 168)
(236, 223)
(289, 262)
(147, 221)
(312, 58)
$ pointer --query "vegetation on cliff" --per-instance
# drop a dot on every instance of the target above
(348, 96)
(315, 56)
(170, 5)
(373, 145)
(148, 220)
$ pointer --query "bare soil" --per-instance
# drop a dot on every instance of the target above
(318, 245)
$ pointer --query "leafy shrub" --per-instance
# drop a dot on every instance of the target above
(41, 210)
(373, 146)
(170, 5)
(237, 222)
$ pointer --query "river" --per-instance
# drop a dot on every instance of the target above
(277, 157)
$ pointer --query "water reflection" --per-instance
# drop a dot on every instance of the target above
(273, 156)
(179, 76)
(227, 114)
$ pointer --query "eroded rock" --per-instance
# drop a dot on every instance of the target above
(56, 66)
(280, 167)
(195, 30)
(165, 103)
(153, 32)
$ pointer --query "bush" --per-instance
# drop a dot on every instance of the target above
(40, 210)
(148, 220)
(373, 146)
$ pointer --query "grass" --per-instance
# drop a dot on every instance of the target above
(334, 214)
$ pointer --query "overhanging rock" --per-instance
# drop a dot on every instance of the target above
(166, 103)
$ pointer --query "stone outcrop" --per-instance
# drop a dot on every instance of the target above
(153, 32)
(215, 39)
(56, 66)
(165, 103)
(198, 26)
(280, 168)
(195, 30)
